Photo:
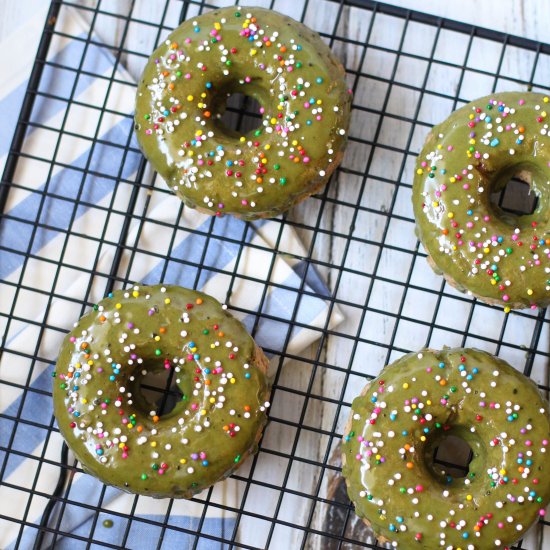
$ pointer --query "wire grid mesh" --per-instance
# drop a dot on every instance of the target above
(407, 71)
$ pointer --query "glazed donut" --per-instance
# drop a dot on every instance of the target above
(260, 53)
(109, 424)
(496, 256)
(401, 418)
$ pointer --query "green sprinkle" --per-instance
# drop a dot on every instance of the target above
(178, 73)
(158, 352)
(147, 117)
(276, 166)
(144, 476)
(205, 331)
(282, 181)
(237, 14)
(237, 458)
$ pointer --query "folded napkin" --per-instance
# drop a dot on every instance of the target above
(58, 242)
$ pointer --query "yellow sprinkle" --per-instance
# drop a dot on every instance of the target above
(452, 180)
(232, 380)
(153, 443)
(422, 438)
(543, 114)
(203, 95)
(486, 250)
(429, 402)
(472, 141)
(183, 461)
(273, 120)
(135, 294)
(90, 362)
(405, 385)
(294, 142)
(253, 52)
(267, 147)
(455, 247)
(319, 101)
(77, 365)
(420, 171)
(203, 412)
(493, 282)
(157, 338)
(471, 117)
(121, 445)
(545, 99)
(451, 215)
(217, 26)
(530, 291)
(439, 146)
(212, 346)
(264, 161)
(84, 401)
(212, 400)
(502, 472)
(507, 309)
(190, 98)
(118, 306)
(469, 497)
(242, 139)
(435, 204)
(198, 133)
(167, 300)
(190, 153)
(378, 457)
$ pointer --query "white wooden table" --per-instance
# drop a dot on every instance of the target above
(525, 18)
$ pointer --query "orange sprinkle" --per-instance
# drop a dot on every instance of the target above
(103, 318)
(165, 73)
(162, 330)
(198, 301)
(206, 114)
(443, 382)
(253, 19)
(171, 86)
(221, 333)
(282, 49)
(174, 45)
(139, 429)
(84, 345)
(207, 382)
(155, 418)
(226, 428)
(268, 43)
(445, 231)
(410, 465)
(407, 447)
(521, 129)
(259, 180)
(247, 408)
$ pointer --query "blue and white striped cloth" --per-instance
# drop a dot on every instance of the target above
(59, 235)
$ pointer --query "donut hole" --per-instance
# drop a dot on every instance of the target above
(241, 114)
(451, 458)
(156, 388)
(515, 195)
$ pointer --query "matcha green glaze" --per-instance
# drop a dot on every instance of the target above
(496, 256)
(109, 424)
(260, 53)
(405, 413)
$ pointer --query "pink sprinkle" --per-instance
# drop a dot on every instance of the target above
(124, 455)
(72, 339)
(506, 297)
(528, 443)
(419, 488)
(188, 76)
(450, 148)
(306, 159)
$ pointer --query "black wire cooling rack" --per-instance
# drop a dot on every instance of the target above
(407, 70)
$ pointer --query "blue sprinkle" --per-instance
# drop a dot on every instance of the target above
(441, 365)
(116, 371)
(299, 48)
(488, 119)
(528, 462)
(219, 148)
(209, 85)
(196, 356)
(469, 377)
(469, 212)
(191, 344)
(112, 378)
(399, 519)
(206, 371)
(393, 416)
(465, 535)
(205, 462)
(110, 295)
(197, 29)
(494, 142)
(404, 432)
(319, 80)
(76, 413)
(475, 370)
(393, 527)
(500, 239)
(374, 399)
(99, 451)
(229, 163)
(166, 112)
(519, 141)
(75, 388)
(247, 375)
(77, 375)
(308, 122)
(501, 108)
